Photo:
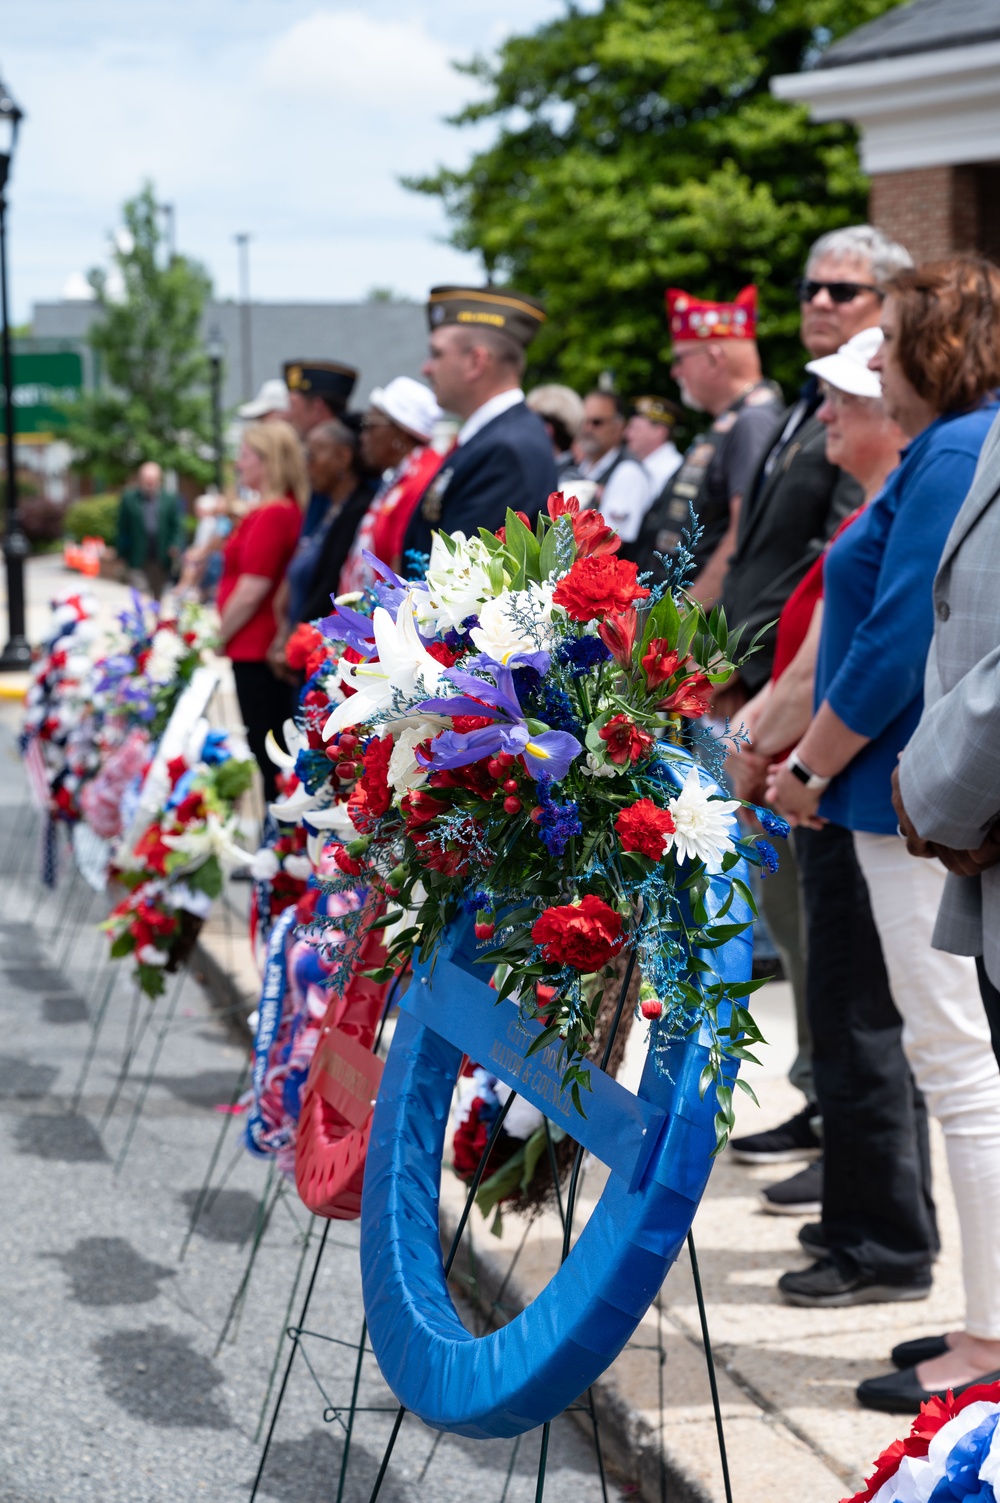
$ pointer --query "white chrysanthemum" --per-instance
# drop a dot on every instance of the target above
(457, 583)
(704, 826)
(516, 621)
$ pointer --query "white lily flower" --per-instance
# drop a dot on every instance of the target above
(457, 583)
(216, 839)
(704, 826)
(404, 667)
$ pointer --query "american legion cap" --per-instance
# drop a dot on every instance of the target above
(501, 308)
(320, 378)
(699, 318)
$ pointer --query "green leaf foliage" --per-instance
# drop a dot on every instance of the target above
(152, 400)
(639, 148)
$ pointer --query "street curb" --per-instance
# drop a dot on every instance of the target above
(13, 688)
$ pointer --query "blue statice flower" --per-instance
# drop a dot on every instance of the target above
(557, 823)
(582, 653)
(768, 857)
(771, 823)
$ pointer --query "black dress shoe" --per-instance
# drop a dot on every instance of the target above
(802, 1195)
(826, 1285)
(903, 1393)
(813, 1239)
(794, 1139)
(921, 1349)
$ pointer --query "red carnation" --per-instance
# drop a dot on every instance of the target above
(626, 742)
(305, 649)
(598, 586)
(445, 655)
(375, 779)
(644, 827)
(463, 724)
(584, 935)
(347, 864)
(692, 699)
(659, 662)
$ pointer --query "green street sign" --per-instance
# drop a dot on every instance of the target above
(42, 381)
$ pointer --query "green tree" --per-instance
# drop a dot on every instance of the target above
(638, 148)
(153, 398)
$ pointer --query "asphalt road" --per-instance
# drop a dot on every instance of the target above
(115, 1382)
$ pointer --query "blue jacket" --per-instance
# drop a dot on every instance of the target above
(509, 462)
(878, 614)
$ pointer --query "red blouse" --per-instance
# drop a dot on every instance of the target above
(263, 544)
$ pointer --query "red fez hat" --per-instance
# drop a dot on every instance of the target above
(692, 318)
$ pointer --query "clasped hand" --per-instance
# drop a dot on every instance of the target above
(970, 863)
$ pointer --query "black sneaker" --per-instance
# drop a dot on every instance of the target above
(793, 1140)
(827, 1286)
(802, 1195)
(812, 1237)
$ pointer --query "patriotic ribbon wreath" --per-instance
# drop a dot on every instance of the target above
(951, 1455)
(525, 1374)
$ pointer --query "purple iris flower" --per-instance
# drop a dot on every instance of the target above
(112, 669)
(388, 589)
(546, 753)
(350, 626)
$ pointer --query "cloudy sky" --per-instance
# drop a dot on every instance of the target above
(290, 119)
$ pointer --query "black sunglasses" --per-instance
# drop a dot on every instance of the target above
(840, 292)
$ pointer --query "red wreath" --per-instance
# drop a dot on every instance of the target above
(332, 1141)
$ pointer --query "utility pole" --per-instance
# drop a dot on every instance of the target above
(246, 349)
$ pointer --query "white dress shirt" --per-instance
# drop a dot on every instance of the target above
(660, 466)
(502, 402)
(625, 498)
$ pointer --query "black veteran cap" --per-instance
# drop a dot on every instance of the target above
(501, 308)
(657, 410)
(320, 378)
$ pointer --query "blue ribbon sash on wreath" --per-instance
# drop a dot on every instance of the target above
(272, 998)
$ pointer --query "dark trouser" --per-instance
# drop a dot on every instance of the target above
(991, 1002)
(878, 1212)
(781, 900)
(266, 702)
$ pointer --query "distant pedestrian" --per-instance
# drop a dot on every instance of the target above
(649, 435)
(150, 531)
(502, 456)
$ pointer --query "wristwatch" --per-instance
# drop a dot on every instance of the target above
(799, 770)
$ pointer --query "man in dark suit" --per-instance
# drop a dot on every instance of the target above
(502, 456)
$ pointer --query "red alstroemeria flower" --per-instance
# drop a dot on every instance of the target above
(593, 537)
(626, 742)
(597, 587)
(691, 699)
(646, 828)
(583, 935)
(659, 662)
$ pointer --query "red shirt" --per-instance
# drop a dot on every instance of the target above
(263, 544)
(399, 504)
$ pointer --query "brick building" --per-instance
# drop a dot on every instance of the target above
(922, 84)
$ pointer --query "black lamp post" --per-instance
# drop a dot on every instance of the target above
(215, 354)
(17, 653)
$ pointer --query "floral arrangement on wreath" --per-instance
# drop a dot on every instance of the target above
(951, 1455)
(57, 740)
(153, 660)
(177, 867)
(514, 723)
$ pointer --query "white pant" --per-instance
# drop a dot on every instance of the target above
(946, 1039)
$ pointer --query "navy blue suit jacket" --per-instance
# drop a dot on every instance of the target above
(509, 462)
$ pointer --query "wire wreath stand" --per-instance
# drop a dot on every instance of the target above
(346, 1414)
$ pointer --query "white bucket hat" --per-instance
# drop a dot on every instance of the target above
(272, 397)
(847, 370)
(410, 404)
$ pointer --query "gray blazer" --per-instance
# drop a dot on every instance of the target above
(950, 771)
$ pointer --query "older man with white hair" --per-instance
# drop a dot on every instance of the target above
(795, 503)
